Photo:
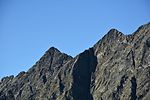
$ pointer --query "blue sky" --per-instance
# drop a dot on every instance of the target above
(29, 27)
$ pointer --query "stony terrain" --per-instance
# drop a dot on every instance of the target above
(117, 67)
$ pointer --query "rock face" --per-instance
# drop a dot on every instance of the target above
(117, 67)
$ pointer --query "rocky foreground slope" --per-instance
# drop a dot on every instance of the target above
(117, 67)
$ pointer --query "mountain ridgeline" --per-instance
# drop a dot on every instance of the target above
(117, 67)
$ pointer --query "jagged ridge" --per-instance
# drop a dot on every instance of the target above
(116, 68)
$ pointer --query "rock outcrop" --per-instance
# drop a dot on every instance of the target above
(117, 67)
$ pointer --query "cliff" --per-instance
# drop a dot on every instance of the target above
(117, 67)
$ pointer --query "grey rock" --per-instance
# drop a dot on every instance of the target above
(117, 67)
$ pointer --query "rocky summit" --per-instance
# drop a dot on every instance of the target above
(117, 67)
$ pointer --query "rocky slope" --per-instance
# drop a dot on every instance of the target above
(117, 67)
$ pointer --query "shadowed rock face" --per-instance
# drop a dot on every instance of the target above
(117, 67)
(82, 72)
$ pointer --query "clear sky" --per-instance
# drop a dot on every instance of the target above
(29, 27)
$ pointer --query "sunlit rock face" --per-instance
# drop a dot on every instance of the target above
(117, 67)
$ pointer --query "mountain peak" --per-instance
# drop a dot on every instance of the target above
(114, 32)
(144, 27)
(115, 68)
(111, 36)
(52, 50)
